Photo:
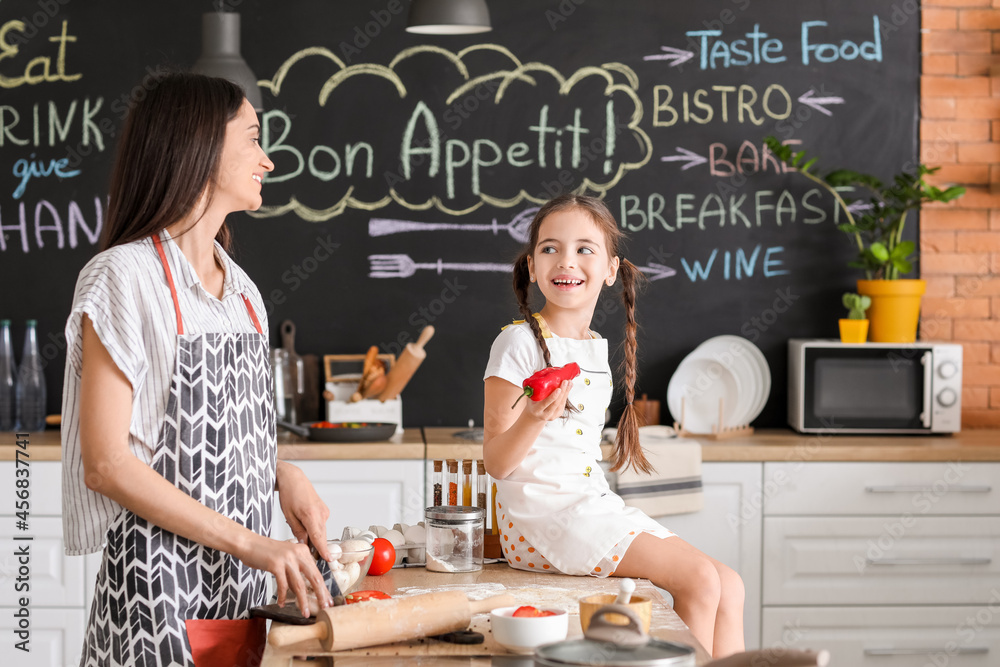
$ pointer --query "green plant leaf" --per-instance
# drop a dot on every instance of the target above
(902, 265)
(903, 250)
(879, 252)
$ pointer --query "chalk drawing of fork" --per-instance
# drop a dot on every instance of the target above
(401, 266)
(517, 227)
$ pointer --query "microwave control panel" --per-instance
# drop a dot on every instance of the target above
(946, 388)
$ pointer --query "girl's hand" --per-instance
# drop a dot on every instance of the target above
(304, 510)
(293, 567)
(551, 407)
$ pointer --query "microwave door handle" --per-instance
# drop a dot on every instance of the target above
(925, 416)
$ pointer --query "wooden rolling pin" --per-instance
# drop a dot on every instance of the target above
(385, 621)
(407, 364)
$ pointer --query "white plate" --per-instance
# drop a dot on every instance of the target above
(733, 355)
(759, 363)
(701, 382)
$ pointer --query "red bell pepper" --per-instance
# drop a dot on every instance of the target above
(541, 384)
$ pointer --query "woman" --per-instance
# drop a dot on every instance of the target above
(168, 438)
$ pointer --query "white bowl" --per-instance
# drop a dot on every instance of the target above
(525, 634)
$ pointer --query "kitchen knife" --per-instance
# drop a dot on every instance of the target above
(404, 368)
(385, 621)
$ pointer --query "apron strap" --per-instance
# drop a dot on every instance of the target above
(170, 282)
(173, 291)
(253, 316)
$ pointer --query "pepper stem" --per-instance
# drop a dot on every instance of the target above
(528, 391)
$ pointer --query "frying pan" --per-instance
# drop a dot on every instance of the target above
(373, 432)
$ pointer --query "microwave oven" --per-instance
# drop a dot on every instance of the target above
(836, 387)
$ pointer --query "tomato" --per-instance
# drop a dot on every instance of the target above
(384, 557)
(362, 596)
(531, 612)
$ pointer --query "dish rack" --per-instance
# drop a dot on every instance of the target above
(719, 432)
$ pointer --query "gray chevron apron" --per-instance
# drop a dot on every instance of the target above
(160, 597)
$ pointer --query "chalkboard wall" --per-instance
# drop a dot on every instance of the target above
(406, 165)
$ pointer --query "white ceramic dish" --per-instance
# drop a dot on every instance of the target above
(702, 382)
(736, 358)
(759, 363)
(525, 634)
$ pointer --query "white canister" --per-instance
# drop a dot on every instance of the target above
(454, 538)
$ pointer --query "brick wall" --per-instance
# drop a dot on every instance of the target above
(960, 243)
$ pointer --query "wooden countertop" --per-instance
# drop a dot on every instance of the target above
(786, 445)
(764, 445)
(538, 589)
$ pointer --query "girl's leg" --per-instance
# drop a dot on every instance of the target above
(695, 580)
(687, 573)
(729, 620)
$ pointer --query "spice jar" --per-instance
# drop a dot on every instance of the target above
(454, 538)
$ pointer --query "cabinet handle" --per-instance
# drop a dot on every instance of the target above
(964, 650)
(929, 561)
(916, 488)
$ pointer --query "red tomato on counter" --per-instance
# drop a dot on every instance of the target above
(531, 612)
(362, 596)
(384, 557)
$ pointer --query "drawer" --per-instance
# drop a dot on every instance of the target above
(890, 636)
(55, 580)
(56, 637)
(46, 482)
(880, 560)
(797, 488)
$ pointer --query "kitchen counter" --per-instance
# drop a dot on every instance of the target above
(763, 445)
(538, 589)
(787, 445)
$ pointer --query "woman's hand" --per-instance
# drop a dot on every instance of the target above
(292, 566)
(552, 406)
(304, 510)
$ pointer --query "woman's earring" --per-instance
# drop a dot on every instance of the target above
(609, 282)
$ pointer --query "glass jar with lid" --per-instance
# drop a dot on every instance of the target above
(454, 538)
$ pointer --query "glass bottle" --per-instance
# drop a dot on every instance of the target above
(7, 374)
(467, 483)
(437, 480)
(452, 482)
(30, 388)
(481, 486)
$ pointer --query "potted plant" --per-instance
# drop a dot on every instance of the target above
(854, 329)
(877, 228)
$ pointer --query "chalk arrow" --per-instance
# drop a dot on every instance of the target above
(692, 159)
(856, 206)
(818, 102)
(678, 56)
(656, 271)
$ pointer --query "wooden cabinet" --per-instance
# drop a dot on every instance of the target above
(729, 530)
(883, 563)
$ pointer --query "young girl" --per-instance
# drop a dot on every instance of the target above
(557, 512)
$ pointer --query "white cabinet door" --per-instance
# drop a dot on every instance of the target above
(56, 638)
(953, 487)
(362, 493)
(881, 560)
(55, 580)
(889, 636)
(729, 530)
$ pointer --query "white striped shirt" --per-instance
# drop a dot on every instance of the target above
(125, 294)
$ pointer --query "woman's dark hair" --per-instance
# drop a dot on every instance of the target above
(168, 154)
(628, 451)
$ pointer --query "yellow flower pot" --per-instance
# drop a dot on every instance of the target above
(895, 309)
(853, 331)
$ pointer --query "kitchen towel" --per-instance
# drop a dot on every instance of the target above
(675, 485)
